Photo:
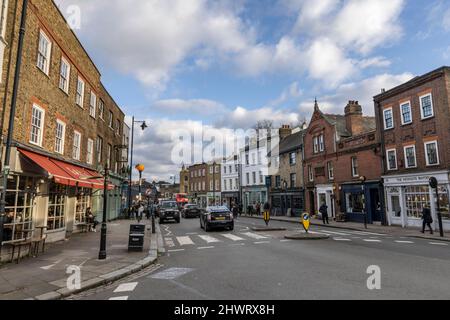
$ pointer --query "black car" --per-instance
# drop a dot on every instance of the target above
(191, 211)
(168, 210)
(216, 217)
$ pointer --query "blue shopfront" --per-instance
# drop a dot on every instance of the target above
(360, 199)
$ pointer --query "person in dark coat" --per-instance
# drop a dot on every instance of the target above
(324, 211)
(427, 219)
(235, 211)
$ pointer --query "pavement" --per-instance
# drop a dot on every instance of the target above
(391, 230)
(247, 265)
(46, 276)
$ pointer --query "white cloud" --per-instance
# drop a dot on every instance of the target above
(374, 62)
(189, 107)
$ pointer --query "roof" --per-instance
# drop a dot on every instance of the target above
(412, 83)
(291, 142)
(338, 120)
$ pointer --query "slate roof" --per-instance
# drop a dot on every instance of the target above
(338, 120)
(291, 142)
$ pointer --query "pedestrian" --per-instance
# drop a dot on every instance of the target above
(427, 219)
(140, 212)
(235, 211)
(258, 209)
(324, 211)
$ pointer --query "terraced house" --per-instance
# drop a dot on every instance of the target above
(67, 128)
(414, 127)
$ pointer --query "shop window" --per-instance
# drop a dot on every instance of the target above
(444, 203)
(19, 208)
(416, 198)
(396, 210)
(354, 202)
(83, 202)
(56, 207)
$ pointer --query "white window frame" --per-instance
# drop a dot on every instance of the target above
(76, 155)
(330, 168)
(90, 151)
(384, 118)
(64, 87)
(410, 112)
(406, 159)
(387, 160)
(40, 135)
(78, 94)
(437, 153)
(101, 109)
(92, 104)
(321, 143)
(316, 144)
(354, 161)
(310, 173)
(421, 106)
(46, 67)
(63, 137)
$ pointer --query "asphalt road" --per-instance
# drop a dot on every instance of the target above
(246, 265)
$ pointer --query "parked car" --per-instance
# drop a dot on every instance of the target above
(216, 217)
(191, 211)
(168, 210)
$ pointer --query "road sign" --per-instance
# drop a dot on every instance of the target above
(148, 192)
(266, 215)
(306, 221)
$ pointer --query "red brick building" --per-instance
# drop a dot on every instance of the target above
(338, 151)
(413, 123)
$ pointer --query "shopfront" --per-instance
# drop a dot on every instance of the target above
(407, 195)
(230, 198)
(214, 198)
(254, 195)
(358, 199)
(47, 193)
(325, 195)
(290, 202)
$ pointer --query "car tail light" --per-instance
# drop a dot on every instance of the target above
(208, 217)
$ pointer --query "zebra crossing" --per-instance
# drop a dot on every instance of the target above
(202, 241)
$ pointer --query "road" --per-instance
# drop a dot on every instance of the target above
(246, 265)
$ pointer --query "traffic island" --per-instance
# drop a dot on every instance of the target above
(262, 229)
(306, 236)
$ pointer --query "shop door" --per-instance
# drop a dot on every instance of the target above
(376, 211)
(312, 207)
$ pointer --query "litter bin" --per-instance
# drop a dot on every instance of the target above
(136, 237)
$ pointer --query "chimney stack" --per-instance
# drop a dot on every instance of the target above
(354, 118)
(285, 131)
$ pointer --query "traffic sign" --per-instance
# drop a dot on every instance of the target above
(306, 221)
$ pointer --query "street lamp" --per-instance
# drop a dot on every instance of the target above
(140, 168)
(284, 201)
(214, 183)
(363, 180)
(143, 127)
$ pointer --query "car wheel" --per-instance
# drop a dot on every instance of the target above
(178, 220)
(206, 227)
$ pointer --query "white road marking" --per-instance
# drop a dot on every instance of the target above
(185, 241)
(261, 242)
(334, 232)
(171, 273)
(314, 232)
(119, 298)
(237, 244)
(175, 250)
(126, 287)
(209, 239)
(285, 240)
(401, 241)
(341, 239)
(203, 248)
(192, 233)
(51, 266)
(232, 237)
(438, 243)
(365, 233)
(254, 235)
(371, 240)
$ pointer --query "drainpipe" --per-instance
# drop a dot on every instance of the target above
(12, 113)
(383, 160)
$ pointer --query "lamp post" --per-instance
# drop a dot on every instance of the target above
(363, 180)
(284, 200)
(140, 168)
(214, 183)
(143, 127)
(102, 252)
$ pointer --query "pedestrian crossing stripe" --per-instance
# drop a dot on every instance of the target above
(254, 235)
(209, 239)
(185, 241)
(233, 237)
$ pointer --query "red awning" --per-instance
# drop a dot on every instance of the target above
(66, 173)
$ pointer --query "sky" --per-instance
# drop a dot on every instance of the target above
(222, 65)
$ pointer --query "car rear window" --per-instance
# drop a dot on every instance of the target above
(218, 213)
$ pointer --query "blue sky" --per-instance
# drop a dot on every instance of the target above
(225, 64)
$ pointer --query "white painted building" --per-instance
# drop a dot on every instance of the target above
(230, 180)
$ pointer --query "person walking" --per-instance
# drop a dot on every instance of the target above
(258, 209)
(140, 212)
(235, 211)
(427, 219)
(324, 211)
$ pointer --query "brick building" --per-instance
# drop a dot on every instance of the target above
(286, 191)
(67, 127)
(414, 128)
(338, 151)
(198, 184)
(213, 183)
(184, 180)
